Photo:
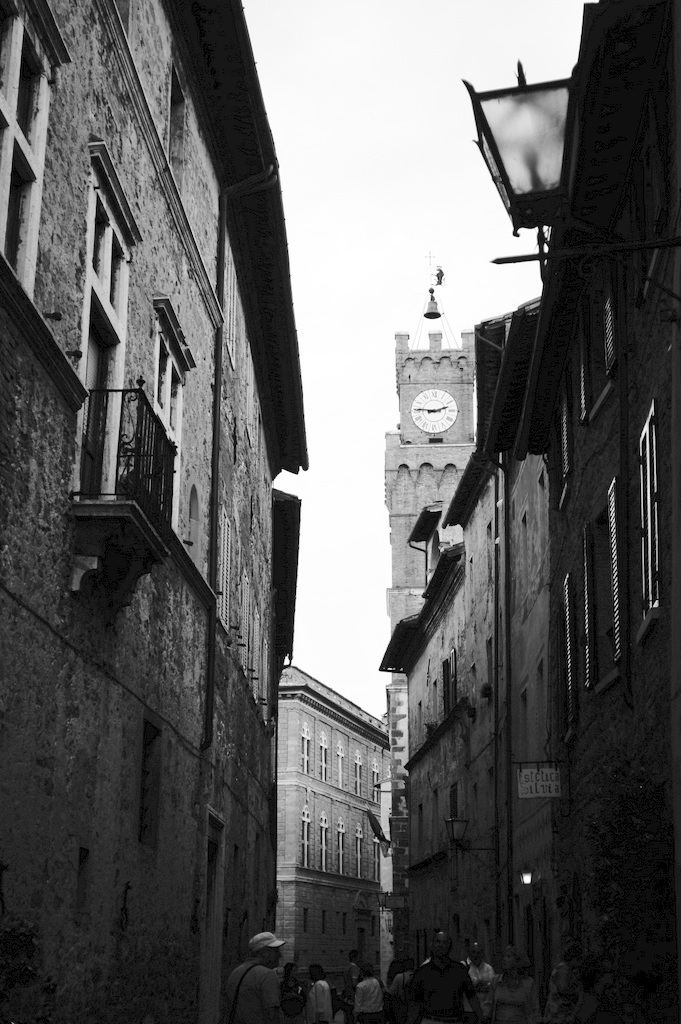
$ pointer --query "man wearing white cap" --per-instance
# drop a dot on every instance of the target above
(253, 995)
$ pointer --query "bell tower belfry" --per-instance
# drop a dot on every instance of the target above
(428, 452)
(424, 460)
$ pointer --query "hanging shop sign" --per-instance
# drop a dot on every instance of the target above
(539, 781)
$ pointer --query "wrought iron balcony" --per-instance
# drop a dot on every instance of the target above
(123, 509)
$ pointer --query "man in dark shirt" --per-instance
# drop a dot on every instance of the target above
(439, 984)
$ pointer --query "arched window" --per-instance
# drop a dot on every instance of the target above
(323, 841)
(194, 535)
(358, 773)
(305, 837)
(377, 860)
(375, 793)
(340, 754)
(305, 749)
(340, 835)
(358, 848)
(323, 758)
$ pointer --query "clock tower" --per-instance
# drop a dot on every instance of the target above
(424, 460)
(428, 452)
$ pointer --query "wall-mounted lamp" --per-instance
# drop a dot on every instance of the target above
(456, 830)
(391, 900)
(526, 876)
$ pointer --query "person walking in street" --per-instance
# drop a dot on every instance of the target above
(368, 1007)
(293, 996)
(252, 995)
(565, 986)
(439, 985)
(479, 971)
(398, 991)
(319, 1007)
(350, 980)
(512, 996)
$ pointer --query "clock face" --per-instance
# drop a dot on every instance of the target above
(434, 411)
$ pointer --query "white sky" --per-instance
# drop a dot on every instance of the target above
(373, 131)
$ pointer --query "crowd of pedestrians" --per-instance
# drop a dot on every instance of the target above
(441, 990)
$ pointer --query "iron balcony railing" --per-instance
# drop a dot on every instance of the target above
(144, 457)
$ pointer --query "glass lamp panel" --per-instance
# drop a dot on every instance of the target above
(529, 130)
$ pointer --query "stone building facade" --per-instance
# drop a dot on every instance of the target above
(466, 823)
(599, 405)
(332, 759)
(424, 459)
(150, 395)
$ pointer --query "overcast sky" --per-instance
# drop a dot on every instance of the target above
(373, 130)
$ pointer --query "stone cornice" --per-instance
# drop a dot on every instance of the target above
(22, 311)
(347, 720)
(119, 44)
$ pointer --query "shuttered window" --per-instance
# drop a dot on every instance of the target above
(590, 667)
(255, 656)
(245, 620)
(565, 440)
(225, 560)
(609, 329)
(571, 704)
(613, 531)
(649, 514)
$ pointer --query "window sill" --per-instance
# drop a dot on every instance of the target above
(601, 401)
(650, 618)
(608, 680)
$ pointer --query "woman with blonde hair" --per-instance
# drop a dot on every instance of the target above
(512, 997)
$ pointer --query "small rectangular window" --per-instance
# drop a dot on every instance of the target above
(150, 784)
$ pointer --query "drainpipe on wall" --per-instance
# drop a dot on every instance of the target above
(497, 852)
(215, 483)
(424, 552)
(509, 706)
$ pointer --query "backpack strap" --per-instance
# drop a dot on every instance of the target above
(232, 1009)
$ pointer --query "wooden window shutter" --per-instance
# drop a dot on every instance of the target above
(570, 674)
(564, 432)
(257, 690)
(609, 330)
(589, 626)
(583, 369)
(245, 619)
(613, 525)
(649, 513)
(225, 558)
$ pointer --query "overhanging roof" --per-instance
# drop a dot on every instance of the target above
(426, 522)
(512, 380)
(620, 59)
(409, 634)
(285, 544)
(470, 486)
(404, 632)
(217, 47)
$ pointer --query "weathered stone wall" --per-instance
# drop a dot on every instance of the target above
(120, 931)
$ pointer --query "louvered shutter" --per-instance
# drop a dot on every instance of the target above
(614, 570)
(257, 689)
(649, 514)
(609, 330)
(654, 501)
(225, 558)
(589, 646)
(245, 619)
(564, 433)
(570, 675)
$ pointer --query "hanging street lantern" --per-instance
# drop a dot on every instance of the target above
(521, 135)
